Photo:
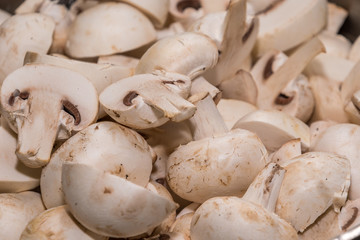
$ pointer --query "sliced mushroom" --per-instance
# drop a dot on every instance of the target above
(106, 146)
(57, 223)
(275, 128)
(335, 17)
(14, 175)
(43, 102)
(148, 100)
(349, 215)
(17, 209)
(22, 33)
(97, 31)
(185, 11)
(110, 205)
(188, 53)
(313, 182)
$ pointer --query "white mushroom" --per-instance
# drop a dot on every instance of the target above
(120, 60)
(317, 128)
(173, 29)
(336, 45)
(200, 84)
(354, 54)
(185, 11)
(286, 152)
(43, 103)
(97, 31)
(336, 16)
(3, 16)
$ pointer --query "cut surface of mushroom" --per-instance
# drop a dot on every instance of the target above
(58, 223)
(97, 31)
(43, 102)
(148, 100)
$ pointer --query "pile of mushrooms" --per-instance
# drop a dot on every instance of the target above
(178, 119)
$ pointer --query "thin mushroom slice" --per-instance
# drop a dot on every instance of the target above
(57, 223)
(188, 53)
(286, 24)
(110, 205)
(42, 103)
(313, 182)
(104, 145)
(97, 31)
(148, 100)
(17, 209)
(14, 175)
(275, 128)
(22, 33)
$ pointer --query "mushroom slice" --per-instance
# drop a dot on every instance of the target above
(287, 24)
(336, 17)
(148, 100)
(188, 53)
(101, 75)
(354, 54)
(185, 11)
(110, 205)
(232, 110)
(97, 31)
(343, 139)
(43, 102)
(275, 128)
(349, 215)
(17, 209)
(286, 152)
(4, 16)
(313, 182)
(22, 33)
(104, 145)
(57, 223)
(14, 175)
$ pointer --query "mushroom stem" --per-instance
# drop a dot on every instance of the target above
(265, 188)
(207, 120)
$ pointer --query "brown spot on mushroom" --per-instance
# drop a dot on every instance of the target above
(12, 97)
(252, 216)
(116, 114)
(352, 219)
(248, 32)
(129, 97)
(197, 217)
(72, 110)
(283, 99)
(184, 4)
(268, 68)
(274, 170)
(270, 7)
(108, 190)
(173, 82)
(97, 127)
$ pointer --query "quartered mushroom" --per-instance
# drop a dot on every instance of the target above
(17, 209)
(106, 146)
(250, 217)
(275, 128)
(148, 100)
(188, 53)
(57, 223)
(218, 162)
(313, 182)
(44, 103)
(97, 31)
(14, 175)
(22, 33)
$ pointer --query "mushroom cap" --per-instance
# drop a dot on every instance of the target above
(217, 166)
(187, 53)
(57, 223)
(17, 209)
(106, 146)
(313, 182)
(110, 205)
(235, 218)
(105, 29)
(275, 128)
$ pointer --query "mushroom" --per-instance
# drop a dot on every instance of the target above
(336, 45)
(29, 6)
(17, 209)
(173, 29)
(42, 103)
(317, 128)
(97, 31)
(57, 223)
(313, 182)
(349, 215)
(188, 53)
(120, 60)
(354, 54)
(336, 16)
(275, 128)
(185, 11)
(182, 224)
(22, 33)
(200, 84)
(287, 151)
(286, 24)
(4, 16)
(14, 175)
(148, 100)
(121, 149)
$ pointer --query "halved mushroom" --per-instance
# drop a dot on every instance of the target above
(17, 209)
(14, 175)
(97, 31)
(57, 223)
(275, 128)
(336, 16)
(106, 146)
(185, 11)
(148, 100)
(42, 103)
(188, 53)
(110, 205)
(22, 33)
